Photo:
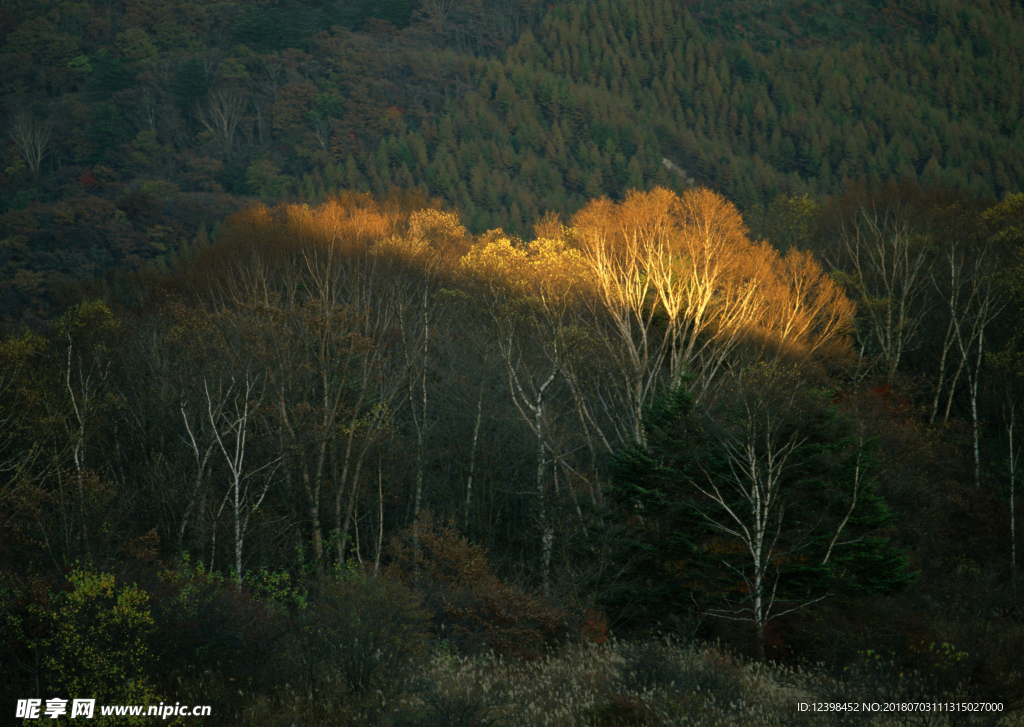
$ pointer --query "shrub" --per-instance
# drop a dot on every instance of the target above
(470, 603)
(97, 643)
(214, 640)
(371, 631)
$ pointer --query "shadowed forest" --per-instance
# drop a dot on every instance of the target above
(463, 363)
(642, 421)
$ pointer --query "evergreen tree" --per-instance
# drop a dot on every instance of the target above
(759, 505)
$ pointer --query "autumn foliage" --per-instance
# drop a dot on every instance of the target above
(296, 396)
(474, 608)
(690, 255)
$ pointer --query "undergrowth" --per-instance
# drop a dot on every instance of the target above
(650, 683)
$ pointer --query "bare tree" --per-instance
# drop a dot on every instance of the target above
(623, 291)
(146, 108)
(419, 310)
(317, 307)
(472, 376)
(372, 290)
(885, 266)
(751, 503)
(529, 394)
(201, 450)
(221, 113)
(85, 369)
(756, 499)
(31, 137)
(532, 295)
(974, 299)
(1008, 367)
(231, 415)
(322, 131)
(16, 459)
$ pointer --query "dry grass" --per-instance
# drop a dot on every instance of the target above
(621, 684)
(654, 683)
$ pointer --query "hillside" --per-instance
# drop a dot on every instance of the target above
(517, 447)
(151, 121)
(355, 353)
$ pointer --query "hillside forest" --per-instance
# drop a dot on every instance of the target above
(468, 363)
(133, 127)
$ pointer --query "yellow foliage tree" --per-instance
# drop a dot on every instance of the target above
(97, 644)
(679, 285)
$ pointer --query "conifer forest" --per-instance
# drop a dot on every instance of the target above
(465, 363)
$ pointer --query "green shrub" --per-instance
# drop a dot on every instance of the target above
(220, 645)
(96, 643)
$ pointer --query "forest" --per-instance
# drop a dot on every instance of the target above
(133, 127)
(497, 363)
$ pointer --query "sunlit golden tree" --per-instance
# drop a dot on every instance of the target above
(680, 285)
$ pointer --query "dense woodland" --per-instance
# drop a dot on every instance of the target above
(133, 127)
(642, 419)
(351, 347)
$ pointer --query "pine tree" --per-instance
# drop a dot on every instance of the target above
(761, 504)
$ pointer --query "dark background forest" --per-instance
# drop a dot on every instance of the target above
(521, 324)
